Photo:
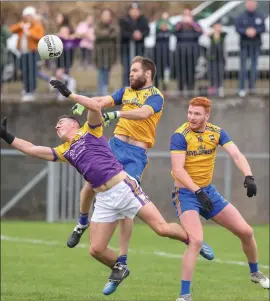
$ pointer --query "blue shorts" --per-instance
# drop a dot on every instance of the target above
(133, 158)
(183, 200)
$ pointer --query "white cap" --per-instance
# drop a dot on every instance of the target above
(29, 11)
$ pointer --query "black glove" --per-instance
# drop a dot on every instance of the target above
(249, 183)
(4, 134)
(61, 87)
(204, 200)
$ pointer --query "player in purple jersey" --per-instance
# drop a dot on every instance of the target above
(117, 194)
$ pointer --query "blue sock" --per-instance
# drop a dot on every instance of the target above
(253, 267)
(83, 219)
(122, 259)
(185, 287)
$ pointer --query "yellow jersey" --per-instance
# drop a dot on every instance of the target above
(140, 130)
(200, 149)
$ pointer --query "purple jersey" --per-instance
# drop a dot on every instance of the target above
(90, 154)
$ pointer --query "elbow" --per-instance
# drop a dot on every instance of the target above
(145, 115)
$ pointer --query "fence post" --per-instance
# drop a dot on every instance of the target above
(52, 193)
(227, 178)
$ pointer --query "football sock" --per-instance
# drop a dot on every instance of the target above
(253, 267)
(185, 287)
(83, 221)
(122, 259)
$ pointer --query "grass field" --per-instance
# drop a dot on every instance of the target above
(36, 265)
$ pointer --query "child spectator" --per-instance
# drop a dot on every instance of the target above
(85, 31)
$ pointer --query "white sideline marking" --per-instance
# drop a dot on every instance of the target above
(156, 253)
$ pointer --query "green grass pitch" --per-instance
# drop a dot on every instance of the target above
(36, 265)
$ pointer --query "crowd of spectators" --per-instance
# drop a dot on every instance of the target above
(103, 39)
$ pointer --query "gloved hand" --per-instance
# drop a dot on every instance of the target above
(249, 183)
(4, 133)
(77, 109)
(61, 87)
(108, 117)
(205, 201)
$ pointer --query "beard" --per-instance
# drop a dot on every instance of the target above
(138, 83)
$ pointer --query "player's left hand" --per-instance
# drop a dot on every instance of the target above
(249, 183)
(61, 87)
(108, 117)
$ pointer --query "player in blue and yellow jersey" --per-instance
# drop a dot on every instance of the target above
(193, 155)
(118, 195)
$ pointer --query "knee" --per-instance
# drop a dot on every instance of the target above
(163, 230)
(96, 250)
(195, 242)
(246, 233)
(87, 192)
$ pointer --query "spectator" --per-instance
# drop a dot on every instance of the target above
(162, 51)
(5, 34)
(217, 59)
(250, 25)
(105, 51)
(29, 33)
(85, 31)
(187, 33)
(133, 30)
(65, 61)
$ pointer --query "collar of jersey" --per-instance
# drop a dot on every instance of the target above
(145, 88)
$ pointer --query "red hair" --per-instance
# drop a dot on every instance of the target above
(201, 102)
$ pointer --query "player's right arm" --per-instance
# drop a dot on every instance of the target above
(178, 157)
(26, 147)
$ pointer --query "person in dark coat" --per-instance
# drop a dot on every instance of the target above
(250, 25)
(105, 51)
(187, 33)
(162, 52)
(133, 30)
(216, 59)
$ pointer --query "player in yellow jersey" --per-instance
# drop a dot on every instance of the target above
(193, 154)
(142, 106)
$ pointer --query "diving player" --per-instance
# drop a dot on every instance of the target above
(193, 154)
(117, 194)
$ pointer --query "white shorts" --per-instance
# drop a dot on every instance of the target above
(123, 200)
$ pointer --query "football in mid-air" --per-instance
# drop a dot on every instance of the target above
(50, 47)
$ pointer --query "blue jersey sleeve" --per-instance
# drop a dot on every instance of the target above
(155, 102)
(224, 138)
(118, 95)
(178, 143)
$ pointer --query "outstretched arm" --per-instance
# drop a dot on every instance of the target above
(238, 158)
(24, 146)
(41, 152)
(243, 165)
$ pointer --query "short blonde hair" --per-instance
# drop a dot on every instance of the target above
(201, 102)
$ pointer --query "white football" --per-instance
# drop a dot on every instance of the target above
(50, 47)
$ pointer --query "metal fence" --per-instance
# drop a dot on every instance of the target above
(60, 192)
(188, 69)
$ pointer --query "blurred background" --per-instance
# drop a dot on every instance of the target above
(198, 49)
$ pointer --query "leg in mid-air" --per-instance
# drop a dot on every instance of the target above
(231, 219)
(87, 195)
